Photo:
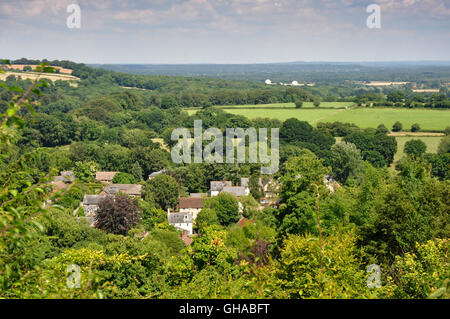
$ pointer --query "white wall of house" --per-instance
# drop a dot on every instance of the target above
(184, 226)
(193, 211)
(214, 193)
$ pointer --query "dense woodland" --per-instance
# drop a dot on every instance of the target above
(316, 243)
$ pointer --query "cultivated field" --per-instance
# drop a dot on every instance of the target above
(431, 120)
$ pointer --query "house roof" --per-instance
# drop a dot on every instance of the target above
(184, 237)
(92, 199)
(129, 189)
(244, 181)
(219, 185)
(105, 176)
(178, 218)
(59, 185)
(190, 202)
(235, 190)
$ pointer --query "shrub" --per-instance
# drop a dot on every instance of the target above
(415, 127)
(397, 127)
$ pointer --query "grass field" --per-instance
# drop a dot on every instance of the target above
(433, 120)
(432, 143)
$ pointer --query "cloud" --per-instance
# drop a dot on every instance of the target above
(262, 29)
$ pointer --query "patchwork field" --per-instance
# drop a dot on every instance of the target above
(432, 120)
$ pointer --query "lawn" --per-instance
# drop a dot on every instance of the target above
(432, 120)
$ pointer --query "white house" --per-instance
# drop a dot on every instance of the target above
(181, 221)
(192, 205)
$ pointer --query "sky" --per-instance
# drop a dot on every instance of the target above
(225, 31)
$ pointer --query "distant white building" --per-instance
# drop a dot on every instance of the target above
(268, 81)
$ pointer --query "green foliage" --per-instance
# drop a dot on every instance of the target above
(123, 178)
(300, 177)
(415, 127)
(137, 172)
(85, 171)
(444, 145)
(226, 207)
(163, 190)
(346, 161)
(423, 273)
(307, 271)
(397, 127)
(206, 217)
(415, 148)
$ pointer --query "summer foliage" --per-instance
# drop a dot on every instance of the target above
(336, 207)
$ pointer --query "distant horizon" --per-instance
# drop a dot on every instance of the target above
(243, 63)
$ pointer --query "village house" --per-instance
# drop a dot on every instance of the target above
(105, 177)
(90, 205)
(59, 185)
(217, 187)
(192, 205)
(132, 190)
(227, 186)
(64, 176)
(181, 221)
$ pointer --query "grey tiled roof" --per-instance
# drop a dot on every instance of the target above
(244, 181)
(130, 189)
(219, 185)
(235, 190)
(92, 199)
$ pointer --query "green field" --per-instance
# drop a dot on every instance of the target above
(432, 143)
(432, 120)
